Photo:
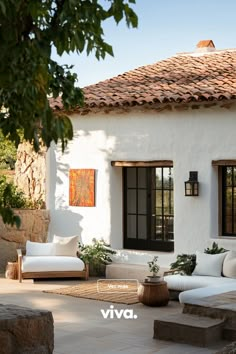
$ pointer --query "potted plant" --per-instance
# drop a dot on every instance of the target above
(97, 255)
(154, 269)
(185, 263)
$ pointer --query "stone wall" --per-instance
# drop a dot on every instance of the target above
(34, 227)
(30, 171)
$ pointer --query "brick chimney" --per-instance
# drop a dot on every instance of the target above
(205, 46)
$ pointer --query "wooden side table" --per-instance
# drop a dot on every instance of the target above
(153, 294)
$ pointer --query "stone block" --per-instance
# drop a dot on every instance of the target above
(26, 331)
(189, 329)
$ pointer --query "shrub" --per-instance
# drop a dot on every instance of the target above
(12, 197)
(215, 249)
(98, 254)
(184, 264)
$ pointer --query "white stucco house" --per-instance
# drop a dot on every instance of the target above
(142, 133)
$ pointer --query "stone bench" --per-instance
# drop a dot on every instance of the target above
(26, 331)
(129, 271)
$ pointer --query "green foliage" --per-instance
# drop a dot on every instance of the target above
(28, 75)
(12, 197)
(185, 263)
(97, 253)
(9, 195)
(30, 78)
(215, 249)
(7, 153)
(154, 266)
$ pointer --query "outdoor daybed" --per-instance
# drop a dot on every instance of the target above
(215, 273)
(57, 259)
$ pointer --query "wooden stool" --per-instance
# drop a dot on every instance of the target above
(11, 270)
(153, 294)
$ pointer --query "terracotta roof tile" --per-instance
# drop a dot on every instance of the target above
(179, 79)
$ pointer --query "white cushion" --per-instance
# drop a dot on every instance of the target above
(51, 264)
(40, 249)
(209, 264)
(229, 265)
(66, 246)
(196, 295)
(187, 282)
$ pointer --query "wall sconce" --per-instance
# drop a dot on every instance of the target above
(192, 185)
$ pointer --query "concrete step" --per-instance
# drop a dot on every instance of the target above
(229, 333)
(189, 329)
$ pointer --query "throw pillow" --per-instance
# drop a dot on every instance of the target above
(40, 249)
(229, 265)
(209, 264)
(66, 246)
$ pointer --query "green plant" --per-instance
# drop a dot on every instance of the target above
(215, 249)
(154, 266)
(10, 196)
(184, 264)
(97, 254)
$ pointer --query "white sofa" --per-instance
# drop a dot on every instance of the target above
(51, 260)
(213, 274)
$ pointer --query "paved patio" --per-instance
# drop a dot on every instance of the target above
(81, 328)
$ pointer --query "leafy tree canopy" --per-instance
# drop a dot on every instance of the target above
(28, 75)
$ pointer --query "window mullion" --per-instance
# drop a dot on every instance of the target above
(137, 203)
(232, 182)
(162, 202)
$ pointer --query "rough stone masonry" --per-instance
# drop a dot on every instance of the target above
(25, 331)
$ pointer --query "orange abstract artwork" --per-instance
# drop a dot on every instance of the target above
(81, 191)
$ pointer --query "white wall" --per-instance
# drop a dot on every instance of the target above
(192, 139)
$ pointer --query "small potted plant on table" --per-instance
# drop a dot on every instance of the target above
(154, 269)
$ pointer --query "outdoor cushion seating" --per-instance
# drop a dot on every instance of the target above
(193, 296)
(213, 272)
(180, 282)
(51, 260)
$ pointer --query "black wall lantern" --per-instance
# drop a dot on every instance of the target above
(192, 185)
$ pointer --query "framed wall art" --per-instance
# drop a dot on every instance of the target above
(82, 187)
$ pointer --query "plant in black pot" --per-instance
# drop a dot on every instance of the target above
(154, 269)
(97, 255)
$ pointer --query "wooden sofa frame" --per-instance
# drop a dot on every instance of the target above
(60, 274)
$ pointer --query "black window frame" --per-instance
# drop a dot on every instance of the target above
(151, 242)
(224, 187)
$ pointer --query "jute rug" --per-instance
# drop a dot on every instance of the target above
(117, 292)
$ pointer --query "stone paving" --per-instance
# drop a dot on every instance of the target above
(79, 326)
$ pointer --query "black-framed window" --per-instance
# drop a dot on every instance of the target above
(229, 201)
(149, 208)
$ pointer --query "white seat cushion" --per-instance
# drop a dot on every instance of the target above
(51, 264)
(187, 282)
(193, 296)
